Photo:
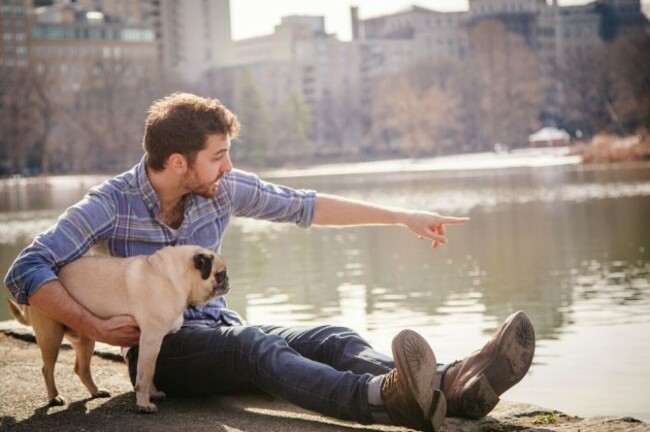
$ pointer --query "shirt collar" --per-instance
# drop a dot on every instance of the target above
(147, 192)
(149, 195)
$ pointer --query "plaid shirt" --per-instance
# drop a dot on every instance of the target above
(121, 213)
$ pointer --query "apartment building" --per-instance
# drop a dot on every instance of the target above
(194, 36)
(191, 39)
(326, 71)
(77, 66)
(14, 54)
(68, 41)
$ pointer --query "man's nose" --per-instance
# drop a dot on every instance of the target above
(227, 164)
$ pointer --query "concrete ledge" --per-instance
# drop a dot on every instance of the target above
(23, 403)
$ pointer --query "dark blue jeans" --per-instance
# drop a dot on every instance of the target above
(325, 369)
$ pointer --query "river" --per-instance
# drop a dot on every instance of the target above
(568, 244)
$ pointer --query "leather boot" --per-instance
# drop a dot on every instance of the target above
(407, 391)
(472, 386)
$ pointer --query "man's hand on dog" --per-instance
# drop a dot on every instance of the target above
(121, 330)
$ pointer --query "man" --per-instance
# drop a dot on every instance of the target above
(184, 191)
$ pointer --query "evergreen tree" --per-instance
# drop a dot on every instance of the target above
(257, 139)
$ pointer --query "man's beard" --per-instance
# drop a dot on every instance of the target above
(205, 190)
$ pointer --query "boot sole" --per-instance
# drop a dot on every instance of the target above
(509, 364)
(421, 380)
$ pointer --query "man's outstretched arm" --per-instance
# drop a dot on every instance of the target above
(337, 211)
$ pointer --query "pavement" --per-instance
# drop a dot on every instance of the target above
(23, 403)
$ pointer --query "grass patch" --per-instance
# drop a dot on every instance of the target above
(545, 418)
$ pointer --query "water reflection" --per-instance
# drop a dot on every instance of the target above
(607, 293)
(33, 193)
(569, 245)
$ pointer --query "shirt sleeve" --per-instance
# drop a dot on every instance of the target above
(74, 233)
(252, 197)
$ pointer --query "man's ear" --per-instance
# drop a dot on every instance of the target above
(177, 162)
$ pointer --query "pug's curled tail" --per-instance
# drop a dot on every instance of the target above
(18, 313)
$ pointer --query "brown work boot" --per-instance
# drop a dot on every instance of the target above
(472, 386)
(407, 391)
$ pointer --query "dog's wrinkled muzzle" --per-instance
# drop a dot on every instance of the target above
(222, 285)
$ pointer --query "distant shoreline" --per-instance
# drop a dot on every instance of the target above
(523, 158)
(519, 158)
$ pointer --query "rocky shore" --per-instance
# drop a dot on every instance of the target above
(23, 403)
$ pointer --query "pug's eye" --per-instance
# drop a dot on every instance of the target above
(221, 276)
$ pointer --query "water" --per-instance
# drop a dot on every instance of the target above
(569, 245)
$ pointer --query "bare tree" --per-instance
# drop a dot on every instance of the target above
(17, 137)
(106, 112)
(587, 94)
(629, 69)
(510, 94)
(607, 89)
(29, 118)
(420, 122)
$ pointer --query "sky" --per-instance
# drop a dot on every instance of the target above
(254, 17)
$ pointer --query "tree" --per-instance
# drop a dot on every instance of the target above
(293, 125)
(629, 71)
(342, 122)
(586, 94)
(52, 123)
(29, 115)
(454, 78)
(420, 121)
(105, 111)
(607, 89)
(17, 114)
(509, 92)
(258, 138)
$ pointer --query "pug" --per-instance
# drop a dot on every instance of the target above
(154, 289)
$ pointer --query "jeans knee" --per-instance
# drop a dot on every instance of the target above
(334, 342)
(345, 335)
(256, 345)
(327, 331)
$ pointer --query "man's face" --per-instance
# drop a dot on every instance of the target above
(202, 178)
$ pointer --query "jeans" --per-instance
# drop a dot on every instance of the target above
(325, 369)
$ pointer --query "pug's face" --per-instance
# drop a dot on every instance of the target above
(210, 278)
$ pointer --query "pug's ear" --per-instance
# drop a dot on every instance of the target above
(203, 262)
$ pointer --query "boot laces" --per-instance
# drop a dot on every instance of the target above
(390, 382)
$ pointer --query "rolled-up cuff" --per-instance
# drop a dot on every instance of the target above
(33, 284)
(309, 206)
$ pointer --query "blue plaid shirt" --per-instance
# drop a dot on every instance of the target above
(121, 213)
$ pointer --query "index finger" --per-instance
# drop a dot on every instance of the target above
(453, 220)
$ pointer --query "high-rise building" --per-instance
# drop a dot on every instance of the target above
(67, 42)
(61, 62)
(300, 56)
(14, 54)
(195, 36)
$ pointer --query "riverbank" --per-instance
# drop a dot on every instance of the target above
(521, 158)
(602, 149)
(607, 149)
(23, 397)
